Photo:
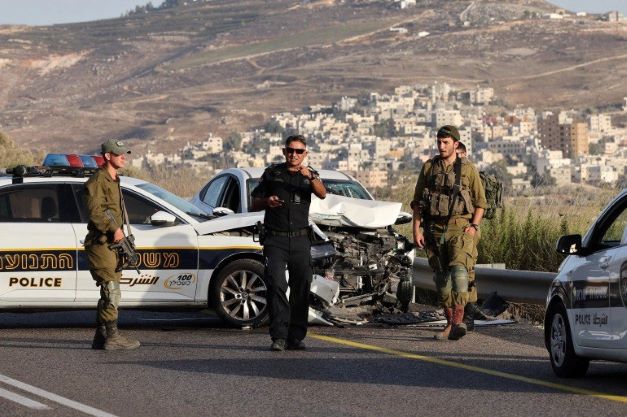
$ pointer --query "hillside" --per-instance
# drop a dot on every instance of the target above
(223, 66)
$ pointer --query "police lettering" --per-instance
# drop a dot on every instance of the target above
(49, 282)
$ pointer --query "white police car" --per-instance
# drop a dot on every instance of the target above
(586, 315)
(187, 259)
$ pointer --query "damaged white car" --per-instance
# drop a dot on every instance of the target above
(372, 264)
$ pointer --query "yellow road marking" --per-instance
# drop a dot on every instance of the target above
(472, 368)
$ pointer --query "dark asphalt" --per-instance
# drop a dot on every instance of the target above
(190, 364)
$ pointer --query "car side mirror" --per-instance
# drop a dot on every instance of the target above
(162, 218)
(222, 211)
(569, 245)
(403, 218)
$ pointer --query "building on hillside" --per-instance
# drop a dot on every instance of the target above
(614, 16)
(482, 95)
(570, 138)
(372, 178)
(213, 144)
(443, 117)
(601, 123)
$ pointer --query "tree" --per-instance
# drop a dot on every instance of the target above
(385, 128)
(11, 156)
(233, 141)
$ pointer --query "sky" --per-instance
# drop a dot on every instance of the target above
(47, 12)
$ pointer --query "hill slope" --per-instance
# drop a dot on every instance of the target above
(223, 66)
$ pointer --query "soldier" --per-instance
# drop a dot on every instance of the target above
(285, 193)
(106, 217)
(471, 311)
(449, 202)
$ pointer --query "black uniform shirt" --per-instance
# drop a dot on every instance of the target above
(294, 189)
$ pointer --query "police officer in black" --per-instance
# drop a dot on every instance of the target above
(285, 193)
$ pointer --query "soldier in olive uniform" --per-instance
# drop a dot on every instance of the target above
(449, 201)
(285, 193)
(106, 217)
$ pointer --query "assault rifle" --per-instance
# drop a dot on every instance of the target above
(125, 248)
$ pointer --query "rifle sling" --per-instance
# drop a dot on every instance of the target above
(457, 167)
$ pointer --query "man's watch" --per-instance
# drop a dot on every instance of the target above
(475, 225)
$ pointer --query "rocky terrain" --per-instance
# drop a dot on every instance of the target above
(221, 66)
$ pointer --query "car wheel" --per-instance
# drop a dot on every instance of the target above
(564, 361)
(239, 293)
(404, 294)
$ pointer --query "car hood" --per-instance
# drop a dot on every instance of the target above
(337, 210)
(230, 222)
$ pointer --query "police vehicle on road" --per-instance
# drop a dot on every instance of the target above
(586, 315)
(187, 259)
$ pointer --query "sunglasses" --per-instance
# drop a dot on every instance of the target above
(297, 151)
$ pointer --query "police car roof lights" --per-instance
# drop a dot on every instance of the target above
(20, 172)
(73, 160)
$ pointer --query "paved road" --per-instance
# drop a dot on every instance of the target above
(191, 365)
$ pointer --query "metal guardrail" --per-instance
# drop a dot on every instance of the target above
(512, 285)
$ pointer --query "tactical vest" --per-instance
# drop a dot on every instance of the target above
(439, 191)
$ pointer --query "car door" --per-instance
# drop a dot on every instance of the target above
(594, 282)
(211, 195)
(38, 259)
(231, 197)
(616, 238)
(169, 259)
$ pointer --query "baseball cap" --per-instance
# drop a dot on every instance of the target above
(448, 131)
(115, 146)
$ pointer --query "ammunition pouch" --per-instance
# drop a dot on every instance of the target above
(439, 204)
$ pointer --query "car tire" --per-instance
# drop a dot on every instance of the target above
(404, 294)
(239, 293)
(564, 361)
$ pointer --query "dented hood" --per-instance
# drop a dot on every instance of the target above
(230, 222)
(337, 210)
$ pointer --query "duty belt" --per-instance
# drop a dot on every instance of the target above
(294, 233)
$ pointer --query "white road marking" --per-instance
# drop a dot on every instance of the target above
(184, 319)
(27, 402)
(54, 397)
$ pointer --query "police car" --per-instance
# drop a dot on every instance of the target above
(586, 316)
(187, 258)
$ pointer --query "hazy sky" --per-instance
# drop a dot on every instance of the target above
(46, 12)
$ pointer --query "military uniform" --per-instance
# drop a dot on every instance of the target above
(452, 252)
(103, 198)
(103, 193)
(287, 244)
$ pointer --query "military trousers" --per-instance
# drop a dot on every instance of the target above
(102, 265)
(288, 317)
(452, 255)
(472, 281)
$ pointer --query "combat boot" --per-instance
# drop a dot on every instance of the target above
(459, 328)
(469, 316)
(444, 334)
(100, 337)
(115, 341)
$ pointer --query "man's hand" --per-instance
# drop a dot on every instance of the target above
(118, 235)
(304, 171)
(274, 201)
(470, 230)
(419, 239)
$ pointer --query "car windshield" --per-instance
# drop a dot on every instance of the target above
(181, 204)
(344, 188)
